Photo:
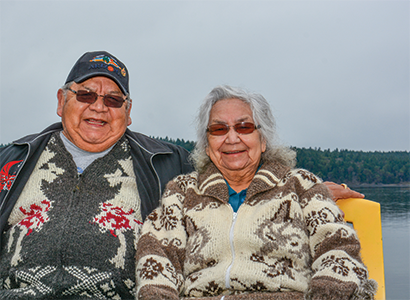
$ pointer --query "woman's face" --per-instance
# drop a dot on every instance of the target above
(234, 152)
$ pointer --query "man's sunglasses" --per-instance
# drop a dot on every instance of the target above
(241, 128)
(91, 97)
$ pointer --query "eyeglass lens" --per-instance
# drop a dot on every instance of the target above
(91, 97)
(241, 128)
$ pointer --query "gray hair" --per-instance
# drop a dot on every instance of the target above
(262, 115)
(66, 86)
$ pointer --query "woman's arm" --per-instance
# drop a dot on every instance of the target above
(160, 249)
(338, 272)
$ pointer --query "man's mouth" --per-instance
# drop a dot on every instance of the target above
(95, 122)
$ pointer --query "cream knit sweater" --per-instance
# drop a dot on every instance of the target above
(288, 240)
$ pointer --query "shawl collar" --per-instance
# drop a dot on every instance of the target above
(211, 182)
(267, 177)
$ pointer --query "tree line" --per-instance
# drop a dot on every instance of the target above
(188, 145)
(356, 167)
(350, 167)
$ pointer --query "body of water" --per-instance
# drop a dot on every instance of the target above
(395, 212)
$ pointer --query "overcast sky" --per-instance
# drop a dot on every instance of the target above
(336, 73)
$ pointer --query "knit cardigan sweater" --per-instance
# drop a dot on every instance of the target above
(73, 236)
(288, 240)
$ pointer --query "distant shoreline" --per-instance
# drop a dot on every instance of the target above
(373, 185)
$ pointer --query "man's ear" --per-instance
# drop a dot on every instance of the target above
(61, 102)
(129, 113)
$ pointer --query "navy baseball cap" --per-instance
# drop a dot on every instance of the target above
(100, 63)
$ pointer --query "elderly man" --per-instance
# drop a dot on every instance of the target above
(73, 197)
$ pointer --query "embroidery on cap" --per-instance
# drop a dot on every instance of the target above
(108, 63)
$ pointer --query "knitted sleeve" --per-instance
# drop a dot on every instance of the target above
(160, 250)
(338, 271)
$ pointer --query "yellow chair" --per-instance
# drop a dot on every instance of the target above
(366, 220)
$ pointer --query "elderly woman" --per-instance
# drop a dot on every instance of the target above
(246, 224)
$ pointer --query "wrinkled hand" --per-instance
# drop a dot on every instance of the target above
(341, 192)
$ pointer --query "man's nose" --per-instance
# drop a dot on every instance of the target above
(99, 104)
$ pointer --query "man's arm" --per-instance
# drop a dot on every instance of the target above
(340, 191)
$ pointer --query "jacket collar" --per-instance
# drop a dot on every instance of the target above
(211, 182)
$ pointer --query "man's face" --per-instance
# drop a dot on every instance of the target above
(93, 127)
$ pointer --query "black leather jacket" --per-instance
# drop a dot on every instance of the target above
(155, 163)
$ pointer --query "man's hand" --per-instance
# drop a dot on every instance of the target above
(341, 191)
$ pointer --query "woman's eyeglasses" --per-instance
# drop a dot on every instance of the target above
(91, 97)
(241, 128)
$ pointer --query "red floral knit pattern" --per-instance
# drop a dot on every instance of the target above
(36, 215)
(115, 218)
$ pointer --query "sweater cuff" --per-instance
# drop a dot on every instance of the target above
(332, 289)
(157, 292)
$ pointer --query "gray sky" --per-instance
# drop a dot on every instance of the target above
(336, 73)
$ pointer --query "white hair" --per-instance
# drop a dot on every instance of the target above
(262, 115)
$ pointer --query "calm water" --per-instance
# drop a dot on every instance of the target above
(395, 210)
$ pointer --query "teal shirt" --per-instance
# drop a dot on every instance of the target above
(236, 199)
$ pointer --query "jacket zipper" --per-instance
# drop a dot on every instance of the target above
(228, 271)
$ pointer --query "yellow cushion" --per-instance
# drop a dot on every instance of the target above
(366, 220)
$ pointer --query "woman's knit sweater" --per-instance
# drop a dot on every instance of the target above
(288, 240)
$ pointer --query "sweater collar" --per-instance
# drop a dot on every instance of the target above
(211, 182)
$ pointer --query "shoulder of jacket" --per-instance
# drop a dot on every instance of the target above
(28, 139)
(20, 147)
(184, 181)
(304, 176)
(192, 177)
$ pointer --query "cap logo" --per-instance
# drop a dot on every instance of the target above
(107, 62)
